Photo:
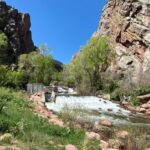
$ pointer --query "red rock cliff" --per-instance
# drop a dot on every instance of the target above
(127, 23)
(16, 27)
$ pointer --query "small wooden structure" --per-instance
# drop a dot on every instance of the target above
(34, 87)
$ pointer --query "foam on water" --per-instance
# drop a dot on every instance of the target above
(86, 102)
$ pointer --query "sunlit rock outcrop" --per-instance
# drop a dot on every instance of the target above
(127, 23)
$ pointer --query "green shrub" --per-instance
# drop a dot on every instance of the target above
(16, 79)
(6, 138)
(13, 79)
(38, 68)
(93, 145)
(5, 97)
(109, 84)
(3, 47)
(3, 79)
(69, 83)
(135, 91)
(118, 94)
(141, 90)
(87, 67)
(135, 101)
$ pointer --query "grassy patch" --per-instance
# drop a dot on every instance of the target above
(76, 115)
(93, 145)
(34, 132)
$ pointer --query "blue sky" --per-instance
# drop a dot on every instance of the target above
(64, 25)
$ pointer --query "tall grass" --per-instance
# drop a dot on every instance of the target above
(138, 138)
(77, 114)
(33, 132)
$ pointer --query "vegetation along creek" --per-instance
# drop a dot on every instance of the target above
(90, 90)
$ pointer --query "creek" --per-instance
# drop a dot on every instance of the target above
(95, 109)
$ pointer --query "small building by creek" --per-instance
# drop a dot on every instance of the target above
(33, 88)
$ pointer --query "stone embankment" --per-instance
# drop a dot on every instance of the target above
(42, 111)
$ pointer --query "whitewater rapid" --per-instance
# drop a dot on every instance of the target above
(97, 109)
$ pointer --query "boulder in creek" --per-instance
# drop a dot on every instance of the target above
(106, 123)
(147, 112)
(92, 135)
(142, 110)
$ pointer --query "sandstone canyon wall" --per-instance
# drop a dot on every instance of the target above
(16, 27)
(127, 23)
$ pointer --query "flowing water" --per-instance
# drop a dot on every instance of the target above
(97, 109)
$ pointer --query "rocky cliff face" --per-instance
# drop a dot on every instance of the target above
(127, 23)
(16, 27)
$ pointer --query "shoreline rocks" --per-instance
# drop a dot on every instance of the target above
(92, 135)
(42, 111)
(144, 98)
(104, 145)
(106, 123)
(143, 108)
(70, 147)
